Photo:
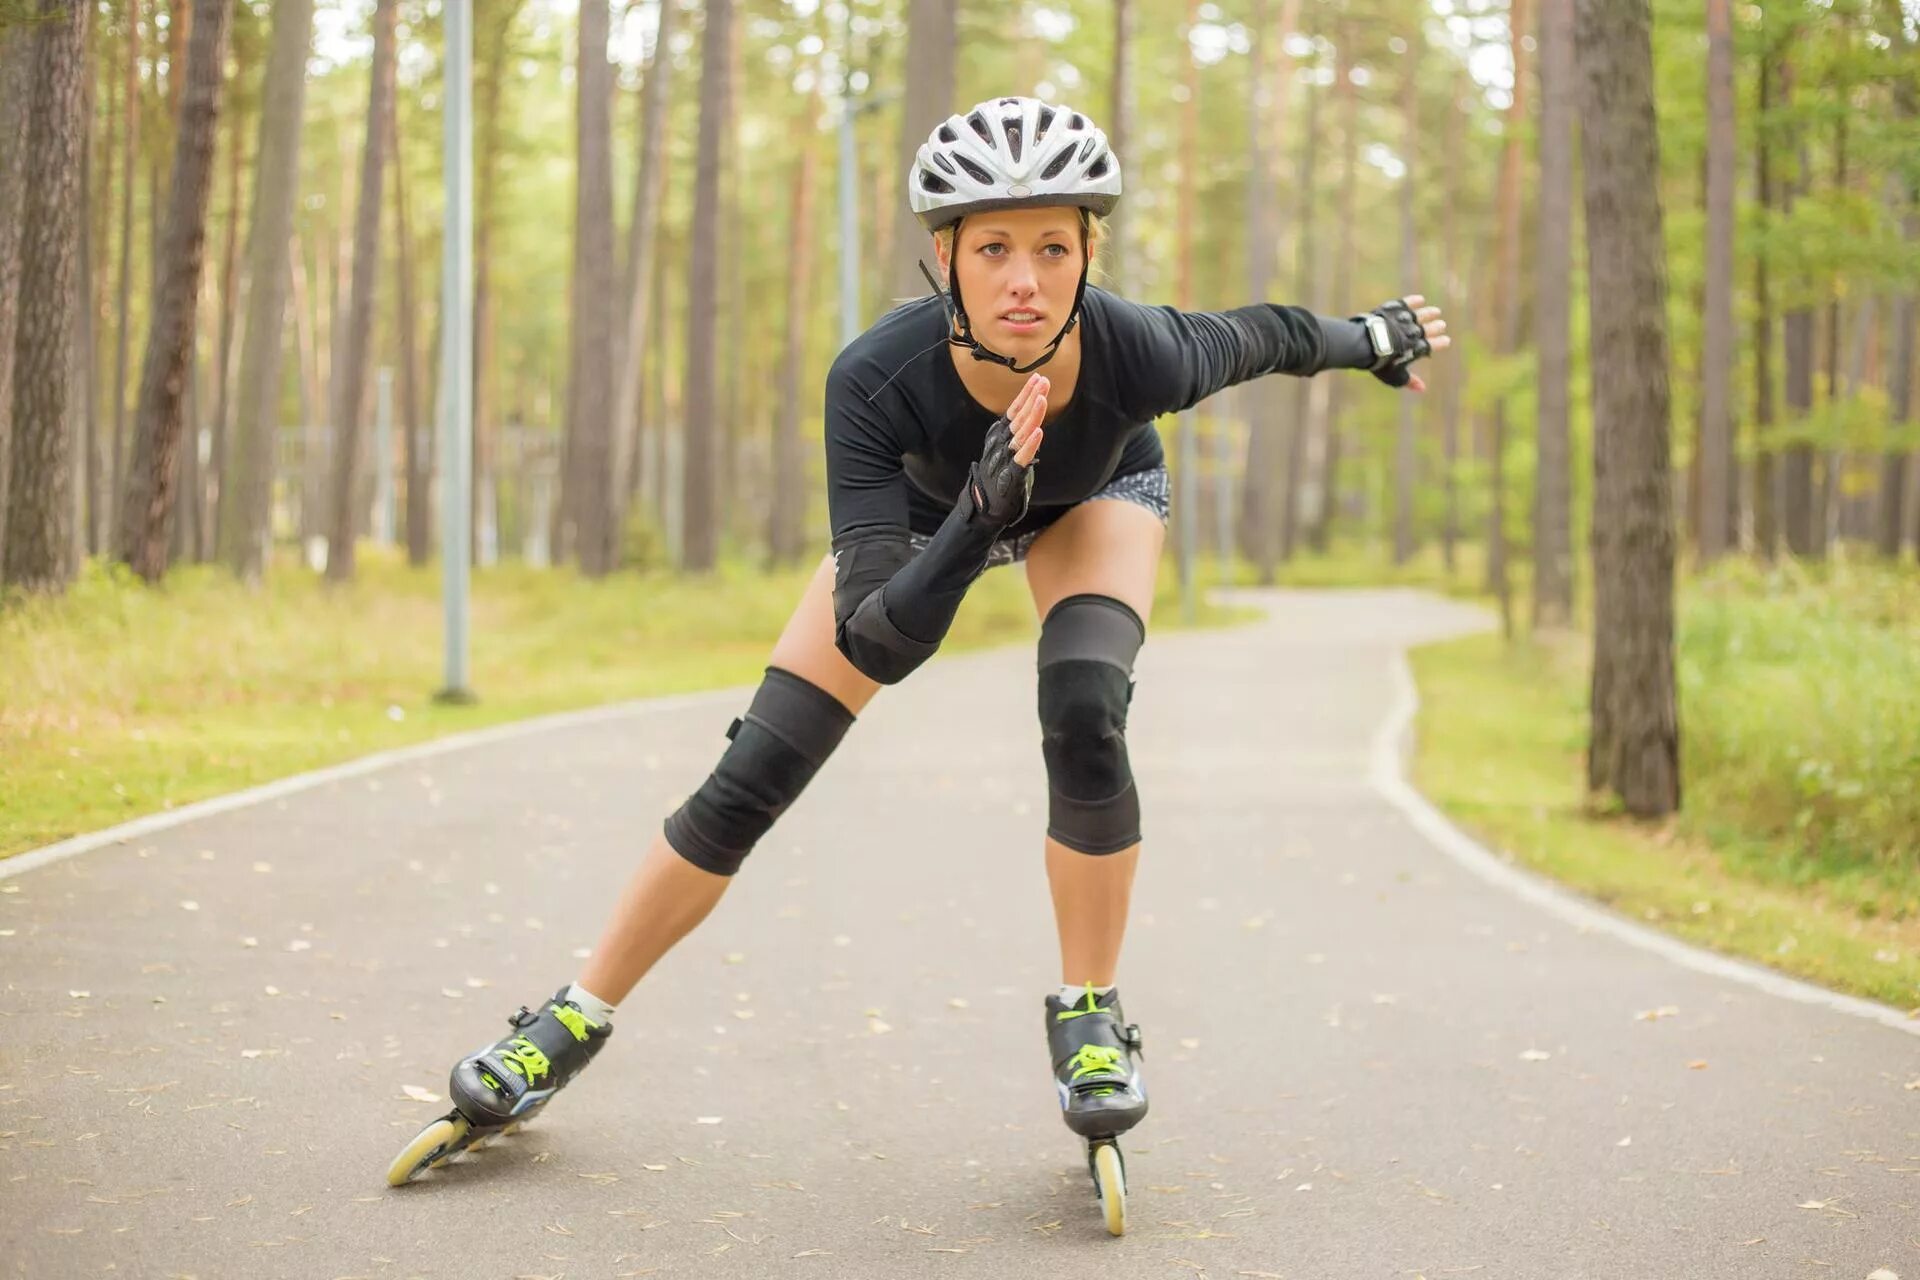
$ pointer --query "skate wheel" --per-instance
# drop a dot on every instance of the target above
(1110, 1178)
(431, 1147)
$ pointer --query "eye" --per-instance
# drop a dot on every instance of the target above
(993, 249)
(1056, 251)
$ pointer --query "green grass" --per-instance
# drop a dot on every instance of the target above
(117, 700)
(1799, 841)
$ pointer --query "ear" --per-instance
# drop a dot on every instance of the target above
(940, 254)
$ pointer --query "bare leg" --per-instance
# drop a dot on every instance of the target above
(668, 896)
(1111, 548)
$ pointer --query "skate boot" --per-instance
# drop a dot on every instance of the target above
(505, 1084)
(1101, 1092)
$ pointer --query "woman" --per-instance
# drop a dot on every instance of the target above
(948, 453)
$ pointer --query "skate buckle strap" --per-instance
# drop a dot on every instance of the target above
(1093, 1006)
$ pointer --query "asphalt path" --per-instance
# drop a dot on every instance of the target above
(1366, 1057)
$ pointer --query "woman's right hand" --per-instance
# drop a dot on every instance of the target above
(1003, 478)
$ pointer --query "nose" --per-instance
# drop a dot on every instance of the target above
(1021, 280)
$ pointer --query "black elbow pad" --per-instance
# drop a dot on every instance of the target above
(864, 561)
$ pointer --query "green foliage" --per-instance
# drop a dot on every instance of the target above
(1799, 842)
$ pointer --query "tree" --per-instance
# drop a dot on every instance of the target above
(1404, 451)
(413, 428)
(1506, 305)
(1766, 533)
(1634, 750)
(124, 337)
(643, 251)
(1307, 268)
(1716, 411)
(352, 383)
(1120, 131)
(1270, 81)
(1796, 463)
(39, 509)
(244, 530)
(1320, 533)
(16, 79)
(146, 509)
(932, 38)
(699, 548)
(1553, 484)
(786, 517)
(591, 425)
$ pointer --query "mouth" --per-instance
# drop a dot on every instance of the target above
(1022, 321)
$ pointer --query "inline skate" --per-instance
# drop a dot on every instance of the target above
(1102, 1095)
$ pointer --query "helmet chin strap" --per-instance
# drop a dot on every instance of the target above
(960, 324)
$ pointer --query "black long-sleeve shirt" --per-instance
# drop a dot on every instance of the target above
(902, 429)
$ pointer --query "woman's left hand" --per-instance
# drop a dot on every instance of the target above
(1412, 330)
(1435, 329)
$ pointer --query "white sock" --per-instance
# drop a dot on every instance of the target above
(596, 1009)
(1070, 994)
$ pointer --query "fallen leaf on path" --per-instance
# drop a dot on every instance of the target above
(418, 1094)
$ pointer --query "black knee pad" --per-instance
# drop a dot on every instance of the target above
(790, 729)
(1087, 647)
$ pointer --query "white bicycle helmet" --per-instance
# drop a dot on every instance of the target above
(1010, 153)
(1007, 153)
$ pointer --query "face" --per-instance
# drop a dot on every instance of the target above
(1018, 272)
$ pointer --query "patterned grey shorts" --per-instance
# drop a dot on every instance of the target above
(1149, 489)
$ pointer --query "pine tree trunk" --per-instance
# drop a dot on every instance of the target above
(358, 335)
(413, 428)
(1320, 535)
(1718, 504)
(699, 547)
(1455, 374)
(1766, 533)
(1796, 464)
(1120, 134)
(16, 84)
(1305, 262)
(637, 292)
(786, 535)
(229, 308)
(1553, 276)
(146, 509)
(593, 301)
(39, 508)
(247, 527)
(123, 337)
(1263, 479)
(1635, 749)
(933, 39)
(1893, 467)
(1506, 305)
(1405, 451)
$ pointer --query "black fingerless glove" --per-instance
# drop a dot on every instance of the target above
(1398, 340)
(998, 485)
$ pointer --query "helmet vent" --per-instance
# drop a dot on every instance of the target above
(1013, 136)
(1055, 165)
(1077, 122)
(1046, 120)
(944, 163)
(947, 134)
(974, 171)
(931, 181)
(1098, 169)
(979, 123)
